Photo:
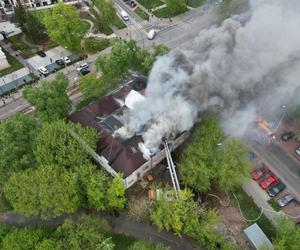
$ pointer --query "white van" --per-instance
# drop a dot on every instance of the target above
(151, 34)
(124, 15)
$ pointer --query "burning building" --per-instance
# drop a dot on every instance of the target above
(128, 156)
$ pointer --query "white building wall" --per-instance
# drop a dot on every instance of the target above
(141, 171)
(7, 5)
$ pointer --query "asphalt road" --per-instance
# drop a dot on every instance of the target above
(279, 162)
(174, 34)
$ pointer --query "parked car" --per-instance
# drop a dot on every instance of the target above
(287, 136)
(276, 189)
(132, 4)
(41, 53)
(66, 60)
(251, 155)
(259, 172)
(298, 151)
(84, 71)
(282, 202)
(83, 66)
(43, 70)
(60, 62)
(268, 182)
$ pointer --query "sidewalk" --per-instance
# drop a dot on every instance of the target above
(260, 198)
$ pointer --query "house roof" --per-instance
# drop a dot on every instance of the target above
(122, 155)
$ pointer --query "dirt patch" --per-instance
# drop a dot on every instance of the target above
(231, 217)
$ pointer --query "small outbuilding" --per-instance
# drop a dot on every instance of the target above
(257, 238)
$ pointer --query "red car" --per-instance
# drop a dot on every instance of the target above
(259, 172)
(268, 182)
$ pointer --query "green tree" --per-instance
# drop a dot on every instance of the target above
(116, 193)
(176, 6)
(22, 239)
(30, 23)
(126, 56)
(49, 244)
(35, 30)
(288, 236)
(234, 164)
(181, 214)
(47, 191)
(64, 26)
(50, 99)
(91, 86)
(211, 161)
(85, 233)
(200, 156)
(97, 190)
(56, 145)
(16, 144)
(19, 16)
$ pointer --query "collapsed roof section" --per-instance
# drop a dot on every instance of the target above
(104, 115)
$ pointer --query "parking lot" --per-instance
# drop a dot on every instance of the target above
(261, 183)
(51, 55)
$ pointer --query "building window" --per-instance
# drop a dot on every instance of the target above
(45, 3)
(6, 2)
(38, 4)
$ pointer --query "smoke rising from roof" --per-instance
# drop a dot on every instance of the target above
(247, 65)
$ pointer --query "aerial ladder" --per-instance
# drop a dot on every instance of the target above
(171, 167)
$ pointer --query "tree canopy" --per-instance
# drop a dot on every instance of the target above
(64, 26)
(56, 146)
(184, 216)
(212, 160)
(17, 135)
(126, 56)
(48, 191)
(84, 232)
(101, 191)
(30, 23)
(288, 236)
(50, 99)
(91, 85)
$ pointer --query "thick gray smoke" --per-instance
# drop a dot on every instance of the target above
(247, 65)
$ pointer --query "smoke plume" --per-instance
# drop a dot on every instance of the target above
(247, 65)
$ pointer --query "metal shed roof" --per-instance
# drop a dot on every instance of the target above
(257, 237)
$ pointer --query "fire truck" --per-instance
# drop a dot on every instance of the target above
(265, 129)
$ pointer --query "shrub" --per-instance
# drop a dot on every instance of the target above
(92, 45)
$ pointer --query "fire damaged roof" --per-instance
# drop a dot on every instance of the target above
(122, 155)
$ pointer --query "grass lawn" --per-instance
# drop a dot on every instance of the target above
(274, 205)
(18, 44)
(251, 211)
(150, 4)
(118, 23)
(141, 13)
(14, 65)
(165, 13)
(195, 3)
